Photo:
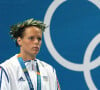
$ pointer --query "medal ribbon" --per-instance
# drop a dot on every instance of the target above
(27, 74)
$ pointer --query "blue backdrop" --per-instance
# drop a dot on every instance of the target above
(74, 28)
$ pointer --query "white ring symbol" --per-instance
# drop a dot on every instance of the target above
(87, 65)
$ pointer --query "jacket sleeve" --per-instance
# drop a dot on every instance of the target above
(4, 80)
(56, 81)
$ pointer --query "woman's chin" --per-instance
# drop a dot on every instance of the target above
(35, 52)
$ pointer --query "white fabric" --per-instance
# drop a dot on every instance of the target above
(17, 79)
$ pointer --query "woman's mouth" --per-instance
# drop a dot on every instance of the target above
(36, 48)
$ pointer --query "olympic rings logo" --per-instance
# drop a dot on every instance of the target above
(87, 65)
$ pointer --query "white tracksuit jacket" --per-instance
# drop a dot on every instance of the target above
(13, 78)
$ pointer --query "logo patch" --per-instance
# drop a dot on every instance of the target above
(21, 79)
(45, 78)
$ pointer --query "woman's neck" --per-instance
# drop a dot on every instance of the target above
(27, 57)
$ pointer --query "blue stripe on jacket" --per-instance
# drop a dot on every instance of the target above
(3, 70)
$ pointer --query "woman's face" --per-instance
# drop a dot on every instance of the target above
(31, 42)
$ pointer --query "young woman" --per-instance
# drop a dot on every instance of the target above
(24, 71)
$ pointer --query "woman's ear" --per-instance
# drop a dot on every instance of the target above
(19, 41)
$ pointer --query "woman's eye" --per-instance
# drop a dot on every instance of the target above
(39, 39)
(31, 38)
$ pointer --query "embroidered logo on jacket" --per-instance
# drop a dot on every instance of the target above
(21, 79)
(45, 78)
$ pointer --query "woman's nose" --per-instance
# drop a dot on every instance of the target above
(36, 40)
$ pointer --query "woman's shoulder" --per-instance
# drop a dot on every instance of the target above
(10, 62)
(46, 65)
